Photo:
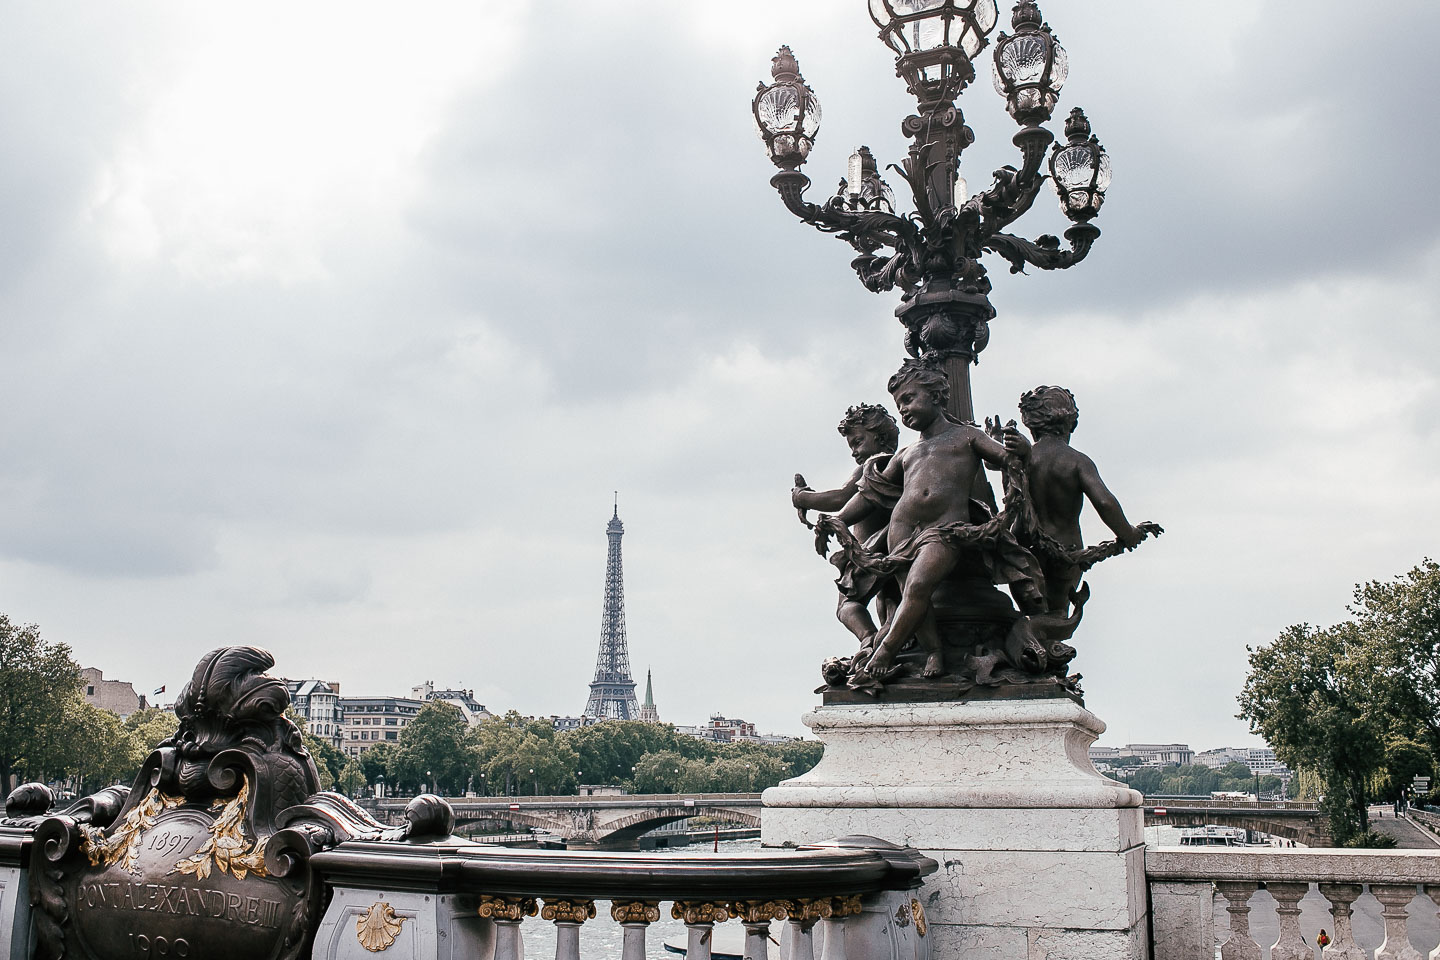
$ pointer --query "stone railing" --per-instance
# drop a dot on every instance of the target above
(1183, 883)
(1180, 802)
(1426, 820)
(15, 843)
(848, 899)
(448, 899)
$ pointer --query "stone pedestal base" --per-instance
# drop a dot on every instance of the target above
(1040, 856)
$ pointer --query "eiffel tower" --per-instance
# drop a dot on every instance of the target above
(612, 694)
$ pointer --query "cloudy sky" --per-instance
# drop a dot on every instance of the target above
(332, 327)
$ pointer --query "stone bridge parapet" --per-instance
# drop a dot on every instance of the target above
(607, 822)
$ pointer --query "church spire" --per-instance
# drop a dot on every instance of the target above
(648, 713)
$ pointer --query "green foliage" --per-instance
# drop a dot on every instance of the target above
(1398, 662)
(609, 752)
(39, 682)
(1356, 704)
(1303, 697)
(151, 726)
(1405, 759)
(1370, 840)
(1197, 780)
(432, 751)
(351, 781)
(329, 761)
(515, 755)
(375, 762)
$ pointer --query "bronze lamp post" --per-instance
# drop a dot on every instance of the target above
(933, 254)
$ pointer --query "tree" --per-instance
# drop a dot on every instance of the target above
(607, 752)
(375, 763)
(329, 761)
(1348, 705)
(1398, 660)
(352, 779)
(505, 749)
(1404, 761)
(151, 726)
(102, 752)
(38, 680)
(1303, 695)
(433, 749)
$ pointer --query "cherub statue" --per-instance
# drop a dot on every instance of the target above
(1061, 478)
(870, 431)
(931, 488)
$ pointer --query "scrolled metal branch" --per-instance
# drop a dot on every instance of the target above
(1044, 252)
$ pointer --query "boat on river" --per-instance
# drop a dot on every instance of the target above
(1214, 835)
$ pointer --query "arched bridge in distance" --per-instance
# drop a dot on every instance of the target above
(616, 822)
(604, 822)
(1296, 820)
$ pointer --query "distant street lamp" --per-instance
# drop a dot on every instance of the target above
(933, 254)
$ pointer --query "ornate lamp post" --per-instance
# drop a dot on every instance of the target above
(934, 253)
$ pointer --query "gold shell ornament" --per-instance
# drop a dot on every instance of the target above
(378, 928)
(918, 912)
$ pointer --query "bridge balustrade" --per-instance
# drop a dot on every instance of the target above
(1183, 883)
(449, 899)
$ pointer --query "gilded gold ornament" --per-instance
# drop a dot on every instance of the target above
(378, 928)
(227, 849)
(507, 908)
(918, 912)
(635, 911)
(700, 911)
(758, 911)
(123, 846)
(568, 911)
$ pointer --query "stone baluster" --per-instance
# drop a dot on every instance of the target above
(700, 918)
(1433, 892)
(1394, 898)
(1342, 944)
(804, 914)
(756, 916)
(567, 915)
(834, 926)
(1237, 894)
(634, 917)
(507, 912)
(1291, 943)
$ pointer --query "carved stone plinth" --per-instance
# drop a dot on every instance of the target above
(1039, 853)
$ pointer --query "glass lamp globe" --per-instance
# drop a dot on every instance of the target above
(863, 188)
(1080, 170)
(787, 113)
(1030, 67)
(935, 41)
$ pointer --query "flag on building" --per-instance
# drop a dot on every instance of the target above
(159, 691)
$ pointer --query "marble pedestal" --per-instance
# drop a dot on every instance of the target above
(1040, 856)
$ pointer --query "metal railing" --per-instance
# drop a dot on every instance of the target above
(1183, 882)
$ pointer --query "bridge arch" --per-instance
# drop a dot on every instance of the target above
(1311, 830)
(623, 831)
(516, 817)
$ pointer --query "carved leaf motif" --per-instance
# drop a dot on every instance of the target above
(123, 845)
(378, 928)
(226, 849)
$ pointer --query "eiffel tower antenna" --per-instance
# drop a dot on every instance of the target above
(612, 694)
